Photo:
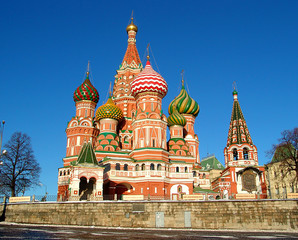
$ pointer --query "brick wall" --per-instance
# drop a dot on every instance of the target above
(256, 215)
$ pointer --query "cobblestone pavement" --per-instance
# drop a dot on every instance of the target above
(16, 231)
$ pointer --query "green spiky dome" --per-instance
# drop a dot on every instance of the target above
(86, 91)
(176, 119)
(109, 110)
(184, 104)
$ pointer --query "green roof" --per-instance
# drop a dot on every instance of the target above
(87, 155)
(210, 163)
(283, 152)
(238, 123)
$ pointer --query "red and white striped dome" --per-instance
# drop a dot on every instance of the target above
(149, 81)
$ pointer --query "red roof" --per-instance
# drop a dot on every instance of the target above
(149, 81)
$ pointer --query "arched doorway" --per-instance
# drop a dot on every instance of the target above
(86, 188)
(122, 188)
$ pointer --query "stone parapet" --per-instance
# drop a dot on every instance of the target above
(236, 215)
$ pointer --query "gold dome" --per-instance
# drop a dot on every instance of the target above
(131, 26)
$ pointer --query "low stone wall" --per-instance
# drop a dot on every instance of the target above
(251, 214)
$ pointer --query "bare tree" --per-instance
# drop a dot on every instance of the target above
(286, 153)
(20, 170)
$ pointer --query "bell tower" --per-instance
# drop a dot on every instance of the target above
(240, 150)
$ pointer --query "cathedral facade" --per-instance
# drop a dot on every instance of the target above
(120, 150)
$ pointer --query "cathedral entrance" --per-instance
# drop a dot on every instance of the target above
(86, 188)
(114, 191)
(122, 188)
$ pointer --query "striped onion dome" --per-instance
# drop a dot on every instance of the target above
(86, 91)
(149, 81)
(176, 119)
(109, 110)
(184, 103)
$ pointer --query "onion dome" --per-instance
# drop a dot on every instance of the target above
(184, 103)
(235, 94)
(176, 119)
(86, 91)
(149, 81)
(131, 26)
(109, 110)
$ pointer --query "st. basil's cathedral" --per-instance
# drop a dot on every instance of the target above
(120, 150)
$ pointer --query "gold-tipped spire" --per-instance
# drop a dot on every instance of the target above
(148, 56)
(182, 75)
(110, 89)
(88, 71)
(131, 26)
(235, 93)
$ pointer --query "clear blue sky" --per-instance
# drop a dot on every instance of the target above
(45, 47)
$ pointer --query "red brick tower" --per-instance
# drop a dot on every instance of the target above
(149, 125)
(81, 128)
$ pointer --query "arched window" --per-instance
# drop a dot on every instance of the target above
(126, 139)
(152, 166)
(64, 173)
(137, 167)
(143, 167)
(125, 167)
(117, 166)
(158, 167)
(245, 153)
(185, 169)
(60, 173)
(194, 173)
(177, 169)
(235, 154)
(68, 172)
(204, 175)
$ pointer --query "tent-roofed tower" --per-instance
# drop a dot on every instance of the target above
(129, 68)
(240, 149)
(242, 178)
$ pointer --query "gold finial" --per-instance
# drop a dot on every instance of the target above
(88, 71)
(148, 56)
(235, 93)
(182, 74)
(110, 89)
(234, 85)
(131, 26)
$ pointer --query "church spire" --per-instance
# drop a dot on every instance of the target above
(240, 149)
(238, 131)
(131, 58)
